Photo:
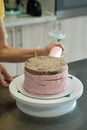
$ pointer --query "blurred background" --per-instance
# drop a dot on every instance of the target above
(28, 23)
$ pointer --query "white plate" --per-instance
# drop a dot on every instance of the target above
(74, 82)
(19, 85)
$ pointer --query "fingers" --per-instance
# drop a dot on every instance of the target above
(6, 74)
(5, 77)
(3, 82)
(60, 45)
(53, 44)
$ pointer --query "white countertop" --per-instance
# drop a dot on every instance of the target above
(13, 21)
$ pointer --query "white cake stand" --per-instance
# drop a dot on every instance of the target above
(50, 106)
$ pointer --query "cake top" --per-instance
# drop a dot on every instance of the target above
(45, 65)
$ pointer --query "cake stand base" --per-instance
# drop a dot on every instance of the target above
(47, 112)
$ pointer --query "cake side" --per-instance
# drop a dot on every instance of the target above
(46, 84)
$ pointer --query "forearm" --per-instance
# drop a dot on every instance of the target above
(11, 54)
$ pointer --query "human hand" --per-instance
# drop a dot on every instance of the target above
(5, 77)
(53, 44)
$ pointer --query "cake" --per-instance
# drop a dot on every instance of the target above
(45, 75)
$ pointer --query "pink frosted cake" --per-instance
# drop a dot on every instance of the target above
(45, 75)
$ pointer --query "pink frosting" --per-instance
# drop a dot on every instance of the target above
(46, 84)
